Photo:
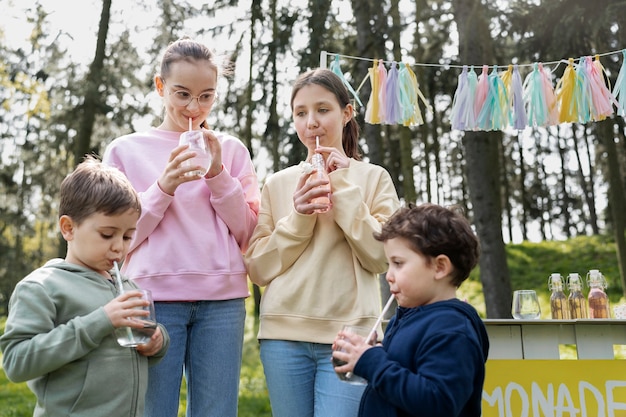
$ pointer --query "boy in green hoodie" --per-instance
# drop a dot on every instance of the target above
(59, 333)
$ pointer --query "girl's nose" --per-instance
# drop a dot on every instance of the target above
(312, 122)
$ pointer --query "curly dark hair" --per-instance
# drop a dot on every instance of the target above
(434, 230)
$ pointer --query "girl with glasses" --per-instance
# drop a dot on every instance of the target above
(190, 237)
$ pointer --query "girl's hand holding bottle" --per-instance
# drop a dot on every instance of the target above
(176, 172)
(309, 189)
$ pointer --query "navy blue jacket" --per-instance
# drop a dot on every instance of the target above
(431, 364)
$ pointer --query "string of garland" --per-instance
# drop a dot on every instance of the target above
(496, 100)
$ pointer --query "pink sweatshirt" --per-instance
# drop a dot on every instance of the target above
(188, 247)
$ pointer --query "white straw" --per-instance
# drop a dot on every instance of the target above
(190, 126)
(380, 319)
(118, 277)
(317, 142)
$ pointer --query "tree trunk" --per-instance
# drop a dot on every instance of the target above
(482, 168)
(617, 202)
(256, 16)
(370, 42)
(522, 187)
(93, 105)
(587, 185)
(565, 202)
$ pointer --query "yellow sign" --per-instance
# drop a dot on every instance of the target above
(555, 388)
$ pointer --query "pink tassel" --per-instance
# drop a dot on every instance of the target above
(492, 115)
(392, 91)
(482, 89)
(601, 96)
(550, 97)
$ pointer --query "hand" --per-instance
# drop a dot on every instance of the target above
(153, 346)
(121, 309)
(174, 173)
(306, 191)
(335, 159)
(348, 347)
(216, 153)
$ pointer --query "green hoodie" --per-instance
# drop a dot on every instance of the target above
(59, 339)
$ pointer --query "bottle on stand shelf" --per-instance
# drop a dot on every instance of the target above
(559, 307)
(576, 300)
(598, 300)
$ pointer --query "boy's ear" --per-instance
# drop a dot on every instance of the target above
(66, 224)
(443, 266)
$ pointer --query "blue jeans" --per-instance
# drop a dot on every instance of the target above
(206, 341)
(302, 382)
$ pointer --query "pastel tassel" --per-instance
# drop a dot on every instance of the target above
(507, 80)
(550, 97)
(392, 91)
(462, 113)
(601, 96)
(382, 92)
(472, 86)
(566, 97)
(493, 114)
(336, 68)
(517, 111)
(412, 114)
(482, 88)
(539, 98)
(619, 91)
(371, 111)
(583, 93)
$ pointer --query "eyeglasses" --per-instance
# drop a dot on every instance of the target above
(182, 98)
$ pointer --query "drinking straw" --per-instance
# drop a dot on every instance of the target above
(317, 142)
(190, 126)
(380, 319)
(118, 277)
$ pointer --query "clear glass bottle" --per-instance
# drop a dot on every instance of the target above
(559, 307)
(598, 300)
(317, 160)
(576, 300)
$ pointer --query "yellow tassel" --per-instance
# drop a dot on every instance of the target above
(565, 94)
(373, 103)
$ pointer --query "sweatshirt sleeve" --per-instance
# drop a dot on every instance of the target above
(361, 209)
(443, 381)
(33, 344)
(235, 194)
(275, 246)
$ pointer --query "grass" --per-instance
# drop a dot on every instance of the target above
(16, 400)
(530, 265)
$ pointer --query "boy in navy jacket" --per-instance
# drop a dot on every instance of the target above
(432, 359)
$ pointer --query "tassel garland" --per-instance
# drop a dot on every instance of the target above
(498, 100)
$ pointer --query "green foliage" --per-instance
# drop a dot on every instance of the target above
(530, 265)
